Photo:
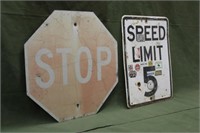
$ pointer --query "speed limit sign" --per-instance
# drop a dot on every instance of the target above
(146, 54)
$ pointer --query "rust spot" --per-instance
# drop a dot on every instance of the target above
(38, 75)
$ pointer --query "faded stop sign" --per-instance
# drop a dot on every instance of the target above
(71, 64)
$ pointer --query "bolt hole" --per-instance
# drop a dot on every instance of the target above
(138, 84)
(75, 24)
(77, 105)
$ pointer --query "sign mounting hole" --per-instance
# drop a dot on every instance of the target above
(138, 84)
(77, 105)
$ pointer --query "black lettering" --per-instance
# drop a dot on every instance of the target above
(154, 49)
(141, 54)
(163, 29)
(137, 29)
(153, 33)
(130, 28)
(159, 48)
(133, 51)
(148, 54)
(146, 33)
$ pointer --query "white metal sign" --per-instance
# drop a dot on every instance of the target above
(147, 64)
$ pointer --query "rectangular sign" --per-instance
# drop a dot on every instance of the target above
(147, 64)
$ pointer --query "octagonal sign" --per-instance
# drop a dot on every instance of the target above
(71, 64)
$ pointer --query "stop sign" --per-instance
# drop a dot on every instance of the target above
(71, 64)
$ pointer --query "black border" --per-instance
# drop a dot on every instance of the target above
(126, 17)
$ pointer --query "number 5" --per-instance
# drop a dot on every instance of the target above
(150, 80)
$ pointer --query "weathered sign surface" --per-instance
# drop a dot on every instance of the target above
(71, 64)
(147, 64)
